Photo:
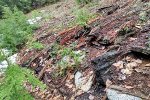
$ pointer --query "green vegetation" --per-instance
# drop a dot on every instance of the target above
(14, 29)
(36, 45)
(143, 16)
(2, 56)
(83, 1)
(46, 16)
(82, 16)
(14, 33)
(12, 84)
(69, 58)
(24, 5)
(125, 31)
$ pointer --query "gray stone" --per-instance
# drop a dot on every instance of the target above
(34, 20)
(84, 82)
(106, 60)
(116, 95)
(141, 49)
(4, 64)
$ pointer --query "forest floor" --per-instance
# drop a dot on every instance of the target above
(84, 62)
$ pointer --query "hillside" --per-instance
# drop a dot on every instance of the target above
(96, 51)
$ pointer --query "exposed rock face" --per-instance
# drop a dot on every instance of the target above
(142, 44)
(105, 60)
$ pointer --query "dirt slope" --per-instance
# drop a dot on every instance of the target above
(116, 46)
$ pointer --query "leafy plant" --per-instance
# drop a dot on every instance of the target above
(12, 84)
(69, 58)
(143, 16)
(125, 31)
(82, 16)
(36, 45)
(14, 29)
(2, 56)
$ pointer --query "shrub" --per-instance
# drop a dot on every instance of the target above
(82, 17)
(14, 29)
(12, 84)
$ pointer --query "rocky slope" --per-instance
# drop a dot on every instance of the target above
(115, 55)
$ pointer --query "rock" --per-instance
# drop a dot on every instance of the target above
(106, 60)
(83, 32)
(126, 71)
(105, 40)
(121, 76)
(78, 79)
(97, 35)
(140, 49)
(131, 65)
(83, 82)
(128, 87)
(101, 66)
(144, 70)
(4, 64)
(91, 97)
(93, 35)
(128, 58)
(108, 9)
(147, 65)
(119, 64)
(34, 20)
(132, 39)
(13, 58)
(108, 83)
(116, 95)
(138, 61)
(6, 52)
(146, 28)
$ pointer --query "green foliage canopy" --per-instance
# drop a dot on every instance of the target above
(14, 29)
(23, 5)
